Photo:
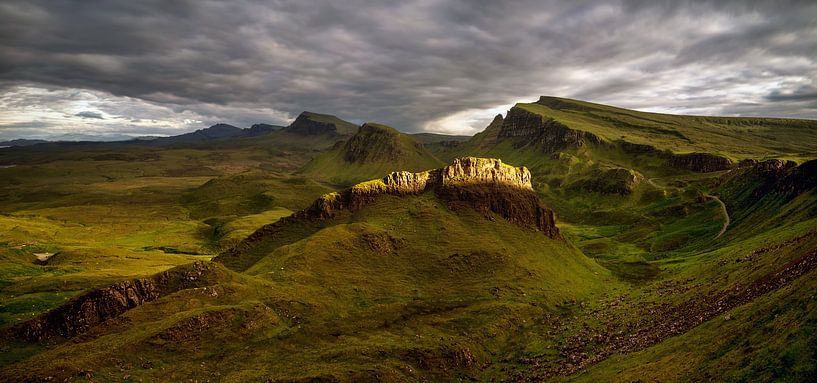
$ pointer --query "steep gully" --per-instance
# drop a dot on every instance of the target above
(655, 322)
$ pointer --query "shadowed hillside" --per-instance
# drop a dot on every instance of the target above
(375, 149)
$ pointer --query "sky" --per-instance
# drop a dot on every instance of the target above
(114, 69)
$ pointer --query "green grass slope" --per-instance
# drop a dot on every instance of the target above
(373, 151)
(310, 123)
(375, 294)
(733, 137)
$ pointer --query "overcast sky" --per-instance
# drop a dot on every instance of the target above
(113, 68)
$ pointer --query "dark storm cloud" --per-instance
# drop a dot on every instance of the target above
(411, 64)
(87, 114)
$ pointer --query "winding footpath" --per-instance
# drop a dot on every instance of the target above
(726, 219)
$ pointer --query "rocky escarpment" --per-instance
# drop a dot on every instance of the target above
(700, 162)
(609, 181)
(528, 129)
(486, 185)
(483, 184)
(90, 309)
(311, 124)
(782, 177)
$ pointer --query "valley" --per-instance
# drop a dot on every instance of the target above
(568, 241)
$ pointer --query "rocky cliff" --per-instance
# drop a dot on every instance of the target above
(699, 162)
(528, 129)
(485, 184)
(780, 176)
(609, 181)
(90, 309)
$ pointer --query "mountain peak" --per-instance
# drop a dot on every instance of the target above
(376, 142)
(311, 123)
(374, 150)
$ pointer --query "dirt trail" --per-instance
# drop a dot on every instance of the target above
(726, 219)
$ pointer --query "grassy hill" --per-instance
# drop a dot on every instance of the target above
(373, 151)
(734, 137)
(310, 123)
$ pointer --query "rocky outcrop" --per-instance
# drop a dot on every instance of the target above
(785, 177)
(482, 184)
(632, 148)
(528, 129)
(489, 171)
(699, 162)
(609, 181)
(90, 309)
(485, 184)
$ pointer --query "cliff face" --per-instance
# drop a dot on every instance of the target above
(530, 129)
(487, 185)
(780, 176)
(609, 181)
(490, 171)
(482, 184)
(700, 162)
(90, 309)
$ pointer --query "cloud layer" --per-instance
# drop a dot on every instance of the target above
(158, 67)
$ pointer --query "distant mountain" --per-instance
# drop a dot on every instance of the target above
(21, 142)
(374, 150)
(309, 123)
(217, 132)
(261, 129)
(435, 138)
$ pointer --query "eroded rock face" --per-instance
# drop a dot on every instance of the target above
(90, 309)
(609, 181)
(550, 136)
(484, 184)
(472, 170)
(700, 162)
